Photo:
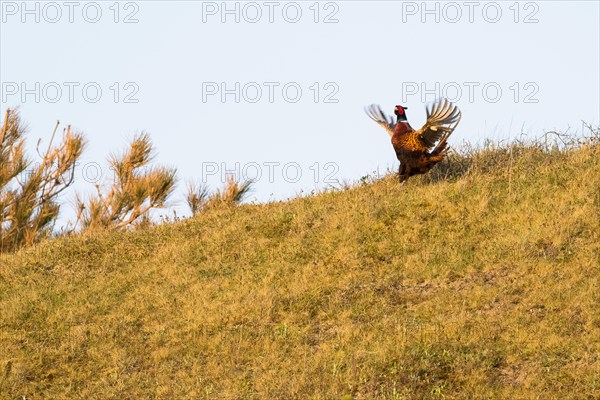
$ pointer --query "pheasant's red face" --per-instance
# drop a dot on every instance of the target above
(399, 110)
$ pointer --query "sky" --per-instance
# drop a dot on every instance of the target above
(274, 91)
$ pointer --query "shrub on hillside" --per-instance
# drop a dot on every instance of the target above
(199, 198)
(136, 189)
(29, 191)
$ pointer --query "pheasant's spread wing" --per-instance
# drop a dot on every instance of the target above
(442, 118)
(374, 112)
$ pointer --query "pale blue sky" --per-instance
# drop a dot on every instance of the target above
(375, 51)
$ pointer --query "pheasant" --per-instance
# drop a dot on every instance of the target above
(418, 151)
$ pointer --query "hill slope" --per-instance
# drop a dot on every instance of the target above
(484, 285)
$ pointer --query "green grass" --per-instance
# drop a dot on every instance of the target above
(478, 281)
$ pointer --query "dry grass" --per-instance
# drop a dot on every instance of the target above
(484, 284)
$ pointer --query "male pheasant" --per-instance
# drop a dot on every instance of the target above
(418, 151)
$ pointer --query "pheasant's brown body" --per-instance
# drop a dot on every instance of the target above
(418, 151)
(414, 156)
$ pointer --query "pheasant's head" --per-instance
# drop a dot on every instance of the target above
(400, 113)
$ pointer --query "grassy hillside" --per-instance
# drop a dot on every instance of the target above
(484, 284)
